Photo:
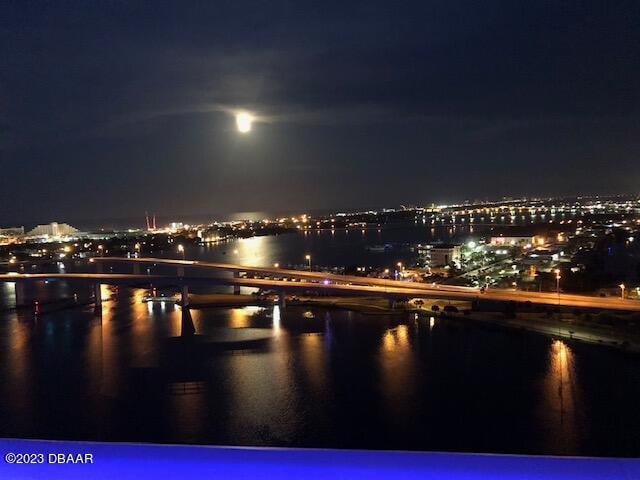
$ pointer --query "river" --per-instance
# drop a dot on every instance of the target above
(306, 377)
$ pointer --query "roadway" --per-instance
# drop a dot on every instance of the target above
(337, 284)
(396, 286)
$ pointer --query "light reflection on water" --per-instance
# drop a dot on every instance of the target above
(327, 247)
(18, 371)
(263, 396)
(276, 320)
(241, 317)
(398, 375)
(313, 360)
(334, 378)
(560, 404)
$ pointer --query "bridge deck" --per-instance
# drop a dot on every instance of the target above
(391, 289)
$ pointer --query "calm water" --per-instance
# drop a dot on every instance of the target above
(317, 378)
(327, 248)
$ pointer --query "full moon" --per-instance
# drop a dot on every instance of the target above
(244, 121)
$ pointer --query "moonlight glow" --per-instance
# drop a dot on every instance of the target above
(244, 121)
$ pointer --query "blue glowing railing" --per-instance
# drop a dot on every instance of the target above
(140, 461)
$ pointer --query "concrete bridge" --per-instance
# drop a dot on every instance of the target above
(285, 281)
(273, 278)
(24, 282)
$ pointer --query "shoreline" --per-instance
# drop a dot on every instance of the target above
(532, 322)
(556, 329)
(364, 305)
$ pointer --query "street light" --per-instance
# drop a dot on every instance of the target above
(399, 274)
(622, 287)
(181, 250)
(386, 279)
(308, 258)
(557, 271)
(276, 265)
(101, 248)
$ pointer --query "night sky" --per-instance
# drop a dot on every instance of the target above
(111, 108)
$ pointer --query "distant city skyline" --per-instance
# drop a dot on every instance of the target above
(139, 221)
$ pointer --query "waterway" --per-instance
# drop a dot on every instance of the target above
(306, 377)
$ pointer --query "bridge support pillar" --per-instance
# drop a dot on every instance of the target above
(184, 297)
(99, 267)
(97, 295)
(391, 303)
(236, 288)
(136, 268)
(181, 271)
(21, 294)
(187, 327)
(282, 300)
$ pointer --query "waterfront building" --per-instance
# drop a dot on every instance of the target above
(441, 255)
(515, 240)
(11, 235)
(53, 229)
